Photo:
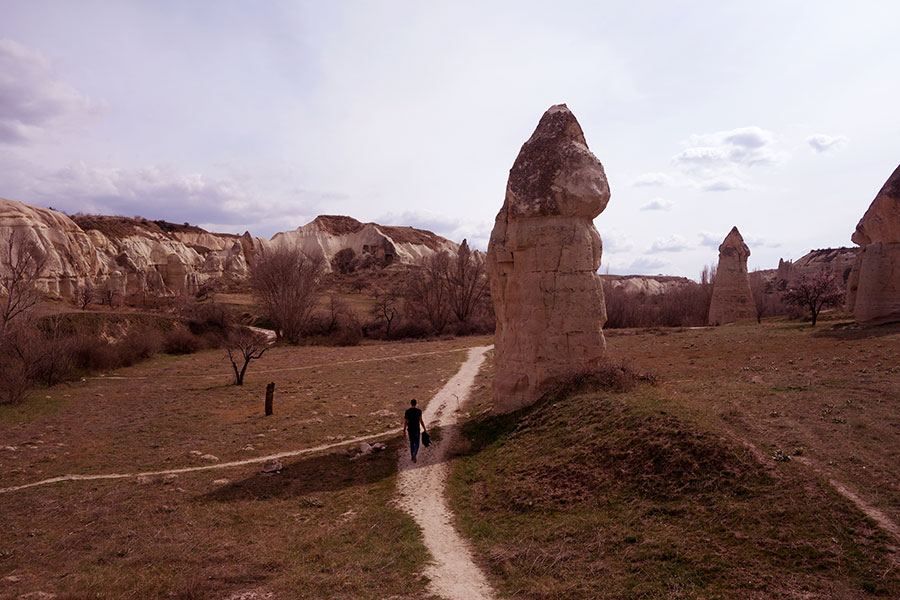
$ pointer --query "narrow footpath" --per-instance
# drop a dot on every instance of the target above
(453, 574)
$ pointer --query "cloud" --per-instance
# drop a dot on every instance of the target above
(647, 266)
(723, 184)
(671, 243)
(476, 233)
(615, 242)
(32, 96)
(710, 239)
(157, 192)
(658, 204)
(744, 146)
(826, 144)
(718, 162)
(654, 180)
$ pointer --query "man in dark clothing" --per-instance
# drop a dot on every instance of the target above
(412, 418)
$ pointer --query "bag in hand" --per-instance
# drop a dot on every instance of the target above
(426, 439)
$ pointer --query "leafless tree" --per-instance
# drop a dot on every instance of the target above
(387, 305)
(358, 284)
(53, 350)
(243, 344)
(23, 264)
(109, 295)
(814, 292)
(708, 275)
(84, 294)
(758, 287)
(427, 295)
(467, 282)
(286, 283)
(337, 311)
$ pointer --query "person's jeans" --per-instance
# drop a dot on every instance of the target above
(413, 444)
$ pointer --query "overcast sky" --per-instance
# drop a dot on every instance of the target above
(778, 117)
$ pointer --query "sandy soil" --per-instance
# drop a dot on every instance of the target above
(452, 574)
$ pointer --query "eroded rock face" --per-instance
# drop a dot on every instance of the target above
(873, 289)
(543, 258)
(731, 299)
(326, 235)
(71, 256)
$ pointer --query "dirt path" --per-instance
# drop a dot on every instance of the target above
(223, 465)
(276, 370)
(453, 574)
(883, 521)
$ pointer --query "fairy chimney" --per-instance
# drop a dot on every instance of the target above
(731, 298)
(542, 260)
(873, 289)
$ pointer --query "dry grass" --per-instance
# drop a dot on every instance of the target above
(652, 493)
(318, 529)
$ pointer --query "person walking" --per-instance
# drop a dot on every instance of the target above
(412, 418)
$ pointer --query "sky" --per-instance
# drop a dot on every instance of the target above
(777, 117)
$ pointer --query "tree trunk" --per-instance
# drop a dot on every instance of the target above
(270, 396)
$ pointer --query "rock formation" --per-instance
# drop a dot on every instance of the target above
(873, 289)
(543, 258)
(326, 235)
(157, 258)
(731, 297)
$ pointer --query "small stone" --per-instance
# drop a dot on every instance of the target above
(273, 465)
(365, 448)
(378, 446)
(209, 457)
(222, 481)
(13, 578)
(144, 479)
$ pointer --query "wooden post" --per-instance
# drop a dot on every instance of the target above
(270, 395)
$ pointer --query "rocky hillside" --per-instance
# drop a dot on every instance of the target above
(138, 256)
(643, 284)
(326, 235)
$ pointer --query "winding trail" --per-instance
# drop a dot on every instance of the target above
(453, 574)
(222, 465)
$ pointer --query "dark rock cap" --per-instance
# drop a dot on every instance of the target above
(555, 173)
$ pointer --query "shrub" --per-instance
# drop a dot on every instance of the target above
(93, 353)
(181, 341)
(139, 344)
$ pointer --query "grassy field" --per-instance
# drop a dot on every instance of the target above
(324, 527)
(670, 491)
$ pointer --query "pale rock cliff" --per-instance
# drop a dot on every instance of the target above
(139, 256)
(326, 235)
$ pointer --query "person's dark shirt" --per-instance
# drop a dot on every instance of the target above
(412, 416)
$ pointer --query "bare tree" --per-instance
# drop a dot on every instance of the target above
(109, 295)
(758, 291)
(427, 295)
(84, 294)
(338, 311)
(24, 263)
(243, 344)
(467, 282)
(286, 283)
(387, 305)
(815, 292)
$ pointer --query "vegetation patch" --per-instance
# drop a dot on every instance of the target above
(596, 494)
